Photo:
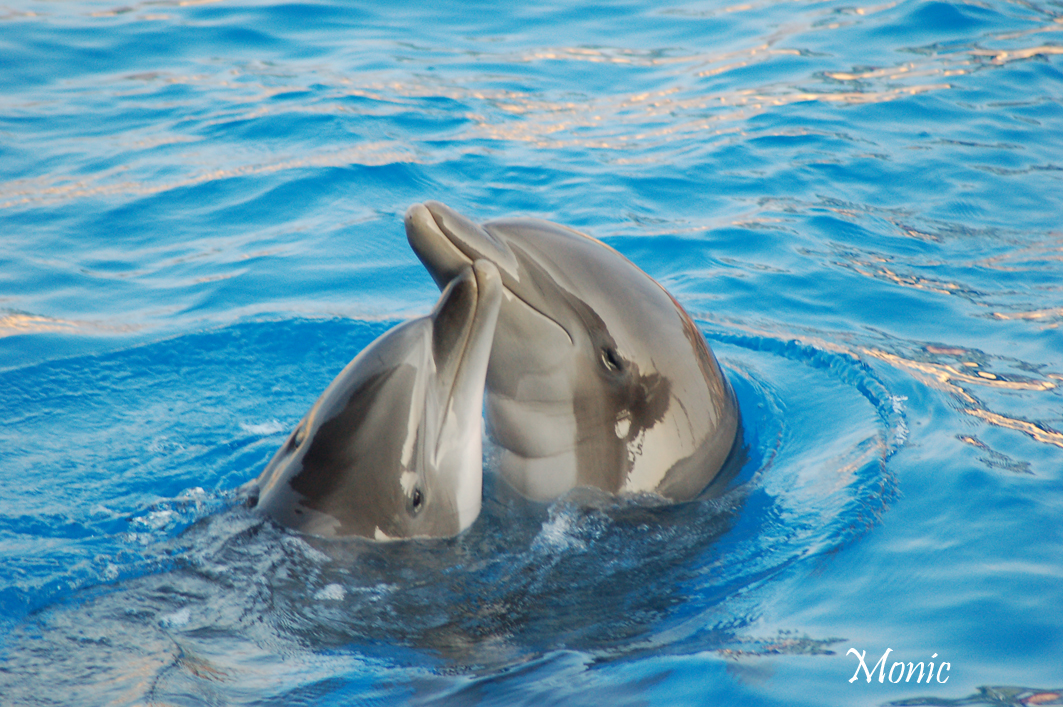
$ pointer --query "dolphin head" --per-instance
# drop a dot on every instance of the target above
(597, 376)
(392, 448)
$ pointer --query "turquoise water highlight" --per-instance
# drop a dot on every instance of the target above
(200, 209)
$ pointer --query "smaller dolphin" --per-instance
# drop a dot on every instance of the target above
(597, 376)
(393, 448)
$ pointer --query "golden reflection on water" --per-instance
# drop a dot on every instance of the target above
(609, 121)
(152, 3)
(679, 109)
(1037, 257)
(1004, 57)
(943, 375)
(951, 378)
(55, 188)
(881, 272)
(1041, 433)
(947, 377)
(605, 123)
(1038, 315)
(13, 324)
(996, 459)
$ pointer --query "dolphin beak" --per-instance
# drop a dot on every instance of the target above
(447, 242)
(463, 330)
(482, 330)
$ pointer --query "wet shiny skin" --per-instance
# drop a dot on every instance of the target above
(857, 203)
(597, 377)
(392, 448)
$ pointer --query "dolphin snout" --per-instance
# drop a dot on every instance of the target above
(446, 242)
(440, 257)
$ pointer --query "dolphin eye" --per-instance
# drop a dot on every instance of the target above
(611, 360)
(416, 501)
(297, 437)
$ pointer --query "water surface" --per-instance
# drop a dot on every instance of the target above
(860, 205)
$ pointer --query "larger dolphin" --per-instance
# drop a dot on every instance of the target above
(392, 448)
(597, 376)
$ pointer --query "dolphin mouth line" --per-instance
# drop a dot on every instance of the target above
(466, 251)
(476, 327)
(466, 345)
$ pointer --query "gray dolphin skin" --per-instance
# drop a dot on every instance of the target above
(393, 447)
(597, 377)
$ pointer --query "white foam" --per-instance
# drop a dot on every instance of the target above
(331, 592)
(557, 534)
(177, 618)
(270, 427)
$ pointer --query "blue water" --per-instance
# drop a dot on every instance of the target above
(860, 204)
